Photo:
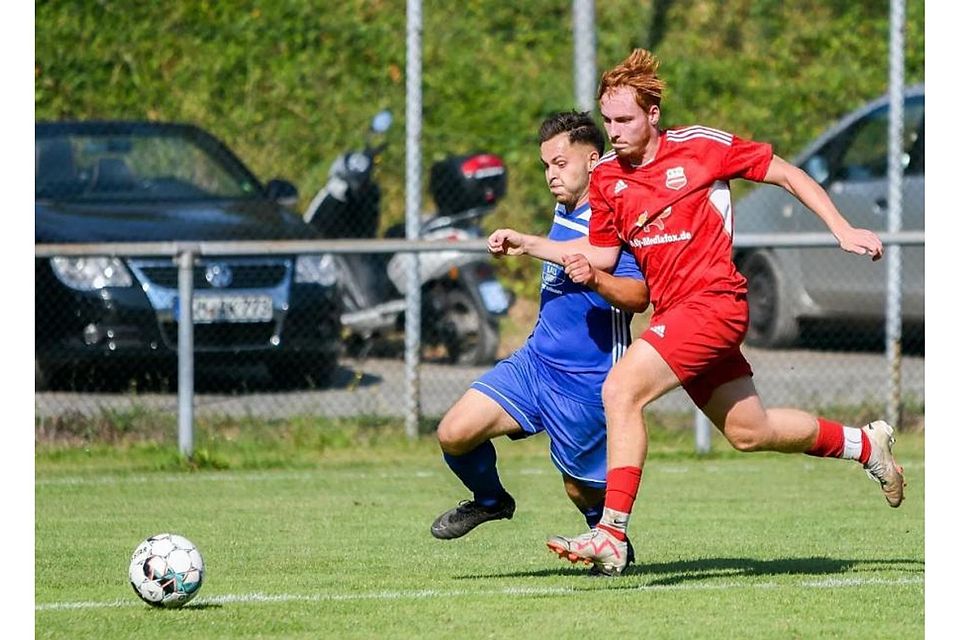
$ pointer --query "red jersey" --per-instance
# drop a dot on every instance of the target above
(675, 212)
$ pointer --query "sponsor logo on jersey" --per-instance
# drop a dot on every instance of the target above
(656, 222)
(620, 186)
(659, 329)
(552, 274)
(659, 225)
(676, 179)
(660, 238)
(552, 278)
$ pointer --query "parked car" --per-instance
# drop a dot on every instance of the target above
(790, 286)
(113, 181)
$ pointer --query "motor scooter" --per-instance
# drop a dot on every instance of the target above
(462, 299)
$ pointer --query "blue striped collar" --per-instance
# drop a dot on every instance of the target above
(561, 210)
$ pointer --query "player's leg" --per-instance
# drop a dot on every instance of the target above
(587, 499)
(736, 409)
(465, 435)
(638, 379)
(501, 402)
(571, 411)
(474, 419)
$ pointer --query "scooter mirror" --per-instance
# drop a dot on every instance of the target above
(381, 121)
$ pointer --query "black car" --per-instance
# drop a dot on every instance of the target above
(114, 181)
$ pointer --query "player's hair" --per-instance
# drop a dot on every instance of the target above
(578, 125)
(638, 71)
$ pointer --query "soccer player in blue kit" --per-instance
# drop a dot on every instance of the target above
(553, 382)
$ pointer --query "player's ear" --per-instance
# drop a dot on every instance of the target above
(592, 160)
(653, 115)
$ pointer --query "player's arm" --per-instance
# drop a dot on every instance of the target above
(805, 189)
(507, 242)
(629, 294)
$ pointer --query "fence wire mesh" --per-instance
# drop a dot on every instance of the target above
(278, 335)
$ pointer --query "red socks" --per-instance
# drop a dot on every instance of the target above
(830, 440)
(837, 441)
(622, 486)
(623, 483)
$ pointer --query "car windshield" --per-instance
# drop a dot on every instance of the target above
(140, 166)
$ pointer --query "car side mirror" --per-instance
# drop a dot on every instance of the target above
(283, 192)
(817, 168)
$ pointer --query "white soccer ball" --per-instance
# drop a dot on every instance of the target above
(166, 570)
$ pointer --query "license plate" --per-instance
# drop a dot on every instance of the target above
(493, 296)
(209, 309)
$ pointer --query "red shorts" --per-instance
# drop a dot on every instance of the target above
(700, 339)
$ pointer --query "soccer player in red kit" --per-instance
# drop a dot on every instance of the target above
(666, 195)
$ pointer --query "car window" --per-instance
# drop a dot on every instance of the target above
(138, 166)
(864, 154)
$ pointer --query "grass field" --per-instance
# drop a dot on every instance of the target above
(335, 544)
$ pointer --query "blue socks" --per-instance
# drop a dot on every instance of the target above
(477, 470)
(593, 514)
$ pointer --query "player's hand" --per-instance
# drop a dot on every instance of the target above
(579, 270)
(505, 242)
(862, 242)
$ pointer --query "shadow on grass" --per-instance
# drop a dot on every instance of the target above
(684, 571)
(201, 606)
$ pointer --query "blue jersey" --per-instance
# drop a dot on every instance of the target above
(553, 382)
(577, 330)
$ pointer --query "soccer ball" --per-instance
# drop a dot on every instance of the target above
(166, 570)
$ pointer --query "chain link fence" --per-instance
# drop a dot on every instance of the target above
(283, 330)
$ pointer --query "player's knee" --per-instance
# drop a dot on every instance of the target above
(451, 437)
(743, 438)
(456, 434)
(620, 395)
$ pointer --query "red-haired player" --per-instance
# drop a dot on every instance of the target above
(666, 195)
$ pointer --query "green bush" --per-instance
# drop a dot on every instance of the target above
(289, 84)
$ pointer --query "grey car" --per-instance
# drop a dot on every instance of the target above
(792, 288)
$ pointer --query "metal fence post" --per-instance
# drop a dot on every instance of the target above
(413, 205)
(185, 261)
(894, 324)
(584, 54)
(702, 432)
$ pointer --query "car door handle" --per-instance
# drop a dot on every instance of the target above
(880, 206)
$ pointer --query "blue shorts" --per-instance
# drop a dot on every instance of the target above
(533, 393)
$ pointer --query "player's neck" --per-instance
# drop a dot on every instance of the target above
(568, 208)
(649, 152)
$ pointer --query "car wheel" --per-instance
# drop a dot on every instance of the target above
(772, 323)
(468, 335)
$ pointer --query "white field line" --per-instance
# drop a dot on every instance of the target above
(222, 476)
(259, 476)
(430, 594)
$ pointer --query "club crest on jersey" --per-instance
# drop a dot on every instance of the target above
(676, 179)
